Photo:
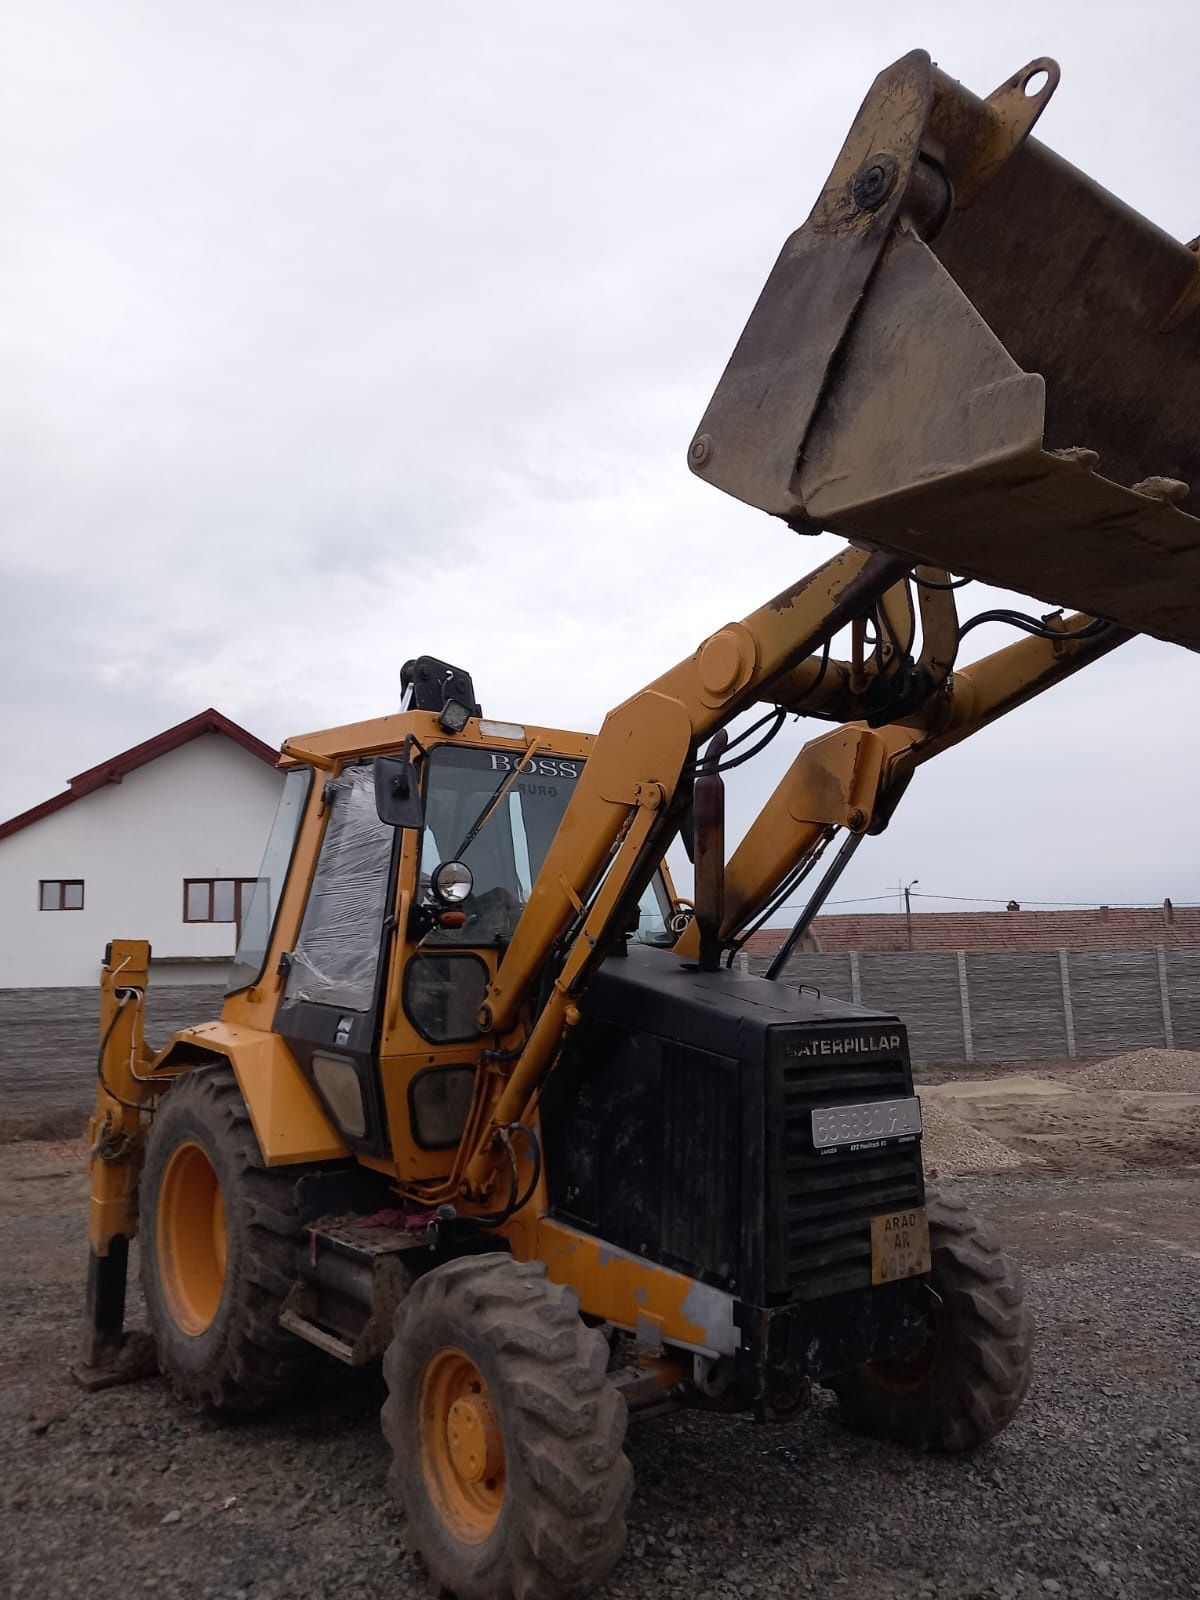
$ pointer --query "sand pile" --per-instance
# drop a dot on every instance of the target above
(1155, 1071)
(953, 1147)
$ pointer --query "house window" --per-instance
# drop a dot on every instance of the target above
(60, 894)
(216, 899)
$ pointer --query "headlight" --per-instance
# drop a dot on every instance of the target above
(452, 882)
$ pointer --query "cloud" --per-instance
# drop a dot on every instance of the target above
(333, 335)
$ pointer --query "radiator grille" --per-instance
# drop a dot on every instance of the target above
(822, 1205)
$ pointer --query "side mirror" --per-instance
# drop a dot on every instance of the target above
(398, 793)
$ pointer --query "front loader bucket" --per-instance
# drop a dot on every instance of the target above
(974, 356)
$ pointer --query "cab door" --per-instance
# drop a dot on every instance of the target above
(333, 992)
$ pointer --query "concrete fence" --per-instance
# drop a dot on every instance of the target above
(960, 1005)
(49, 1039)
(1011, 1005)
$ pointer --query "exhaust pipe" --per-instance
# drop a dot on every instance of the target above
(708, 844)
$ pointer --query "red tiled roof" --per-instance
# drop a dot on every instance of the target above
(1105, 927)
(116, 767)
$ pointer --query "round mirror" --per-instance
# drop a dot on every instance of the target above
(452, 882)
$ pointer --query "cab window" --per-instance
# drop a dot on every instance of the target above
(501, 835)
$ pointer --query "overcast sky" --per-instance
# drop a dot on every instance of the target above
(335, 334)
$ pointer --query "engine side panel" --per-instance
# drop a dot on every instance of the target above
(643, 1147)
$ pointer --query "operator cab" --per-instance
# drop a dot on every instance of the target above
(426, 854)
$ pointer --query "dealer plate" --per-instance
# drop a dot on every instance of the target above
(900, 1245)
(861, 1127)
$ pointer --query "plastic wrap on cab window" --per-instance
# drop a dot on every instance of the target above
(337, 954)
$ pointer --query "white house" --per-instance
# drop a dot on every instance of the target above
(161, 842)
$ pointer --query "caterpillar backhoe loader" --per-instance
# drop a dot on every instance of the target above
(487, 1099)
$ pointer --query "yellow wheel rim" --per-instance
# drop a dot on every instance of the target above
(191, 1238)
(462, 1446)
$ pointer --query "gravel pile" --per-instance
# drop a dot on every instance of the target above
(1161, 1071)
(953, 1147)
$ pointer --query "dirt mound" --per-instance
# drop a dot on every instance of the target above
(953, 1147)
(1148, 1071)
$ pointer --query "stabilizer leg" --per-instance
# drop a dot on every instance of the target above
(116, 1138)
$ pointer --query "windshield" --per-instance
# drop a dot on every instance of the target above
(506, 852)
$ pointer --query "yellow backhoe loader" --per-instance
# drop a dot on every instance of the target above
(487, 1099)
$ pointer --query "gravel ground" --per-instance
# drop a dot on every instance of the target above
(1093, 1491)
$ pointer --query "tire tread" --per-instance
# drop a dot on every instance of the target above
(567, 1520)
(258, 1363)
(981, 1380)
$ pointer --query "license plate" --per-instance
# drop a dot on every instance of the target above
(862, 1127)
(900, 1245)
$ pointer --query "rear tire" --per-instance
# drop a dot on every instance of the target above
(506, 1434)
(219, 1236)
(966, 1384)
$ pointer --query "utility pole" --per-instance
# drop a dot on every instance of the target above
(908, 888)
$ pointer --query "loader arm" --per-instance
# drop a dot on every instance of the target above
(853, 777)
(627, 806)
(645, 746)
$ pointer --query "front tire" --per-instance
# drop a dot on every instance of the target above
(966, 1384)
(219, 1235)
(506, 1434)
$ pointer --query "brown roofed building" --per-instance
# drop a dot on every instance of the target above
(1103, 928)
